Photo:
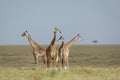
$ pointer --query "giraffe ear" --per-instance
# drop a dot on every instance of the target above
(60, 37)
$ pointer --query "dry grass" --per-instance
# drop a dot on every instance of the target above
(98, 56)
(87, 62)
(83, 55)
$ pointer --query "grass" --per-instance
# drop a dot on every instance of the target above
(87, 62)
(74, 73)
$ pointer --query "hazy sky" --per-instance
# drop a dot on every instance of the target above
(92, 19)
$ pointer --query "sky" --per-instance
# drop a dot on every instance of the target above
(92, 19)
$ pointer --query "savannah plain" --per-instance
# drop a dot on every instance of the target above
(87, 62)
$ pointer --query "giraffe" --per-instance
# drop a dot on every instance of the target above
(64, 50)
(37, 50)
(61, 50)
(51, 51)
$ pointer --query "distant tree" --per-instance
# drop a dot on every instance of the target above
(95, 41)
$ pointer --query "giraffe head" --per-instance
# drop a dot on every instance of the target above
(25, 33)
(77, 37)
(61, 39)
(57, 30)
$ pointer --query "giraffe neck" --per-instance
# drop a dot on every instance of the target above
(70, 43)
(32, 43)
(62, 44)
(53, 40)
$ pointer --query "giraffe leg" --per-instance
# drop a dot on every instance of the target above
(48, 64)
(67, 63)
(36, 61)
(56, 62)
(60, 62)
(44, 59)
